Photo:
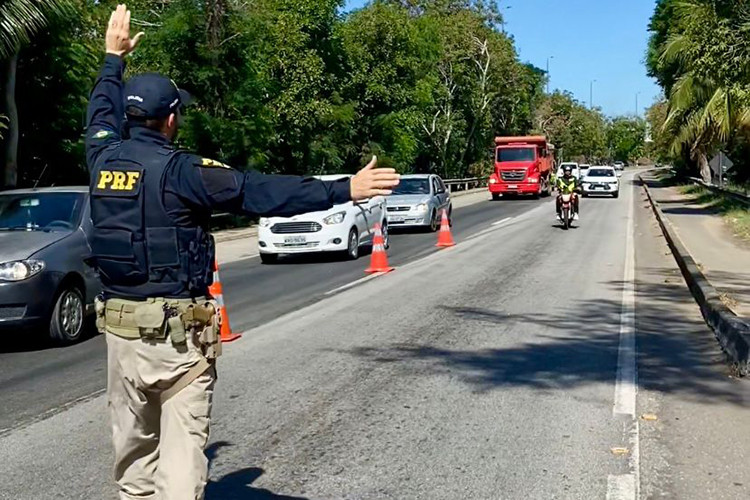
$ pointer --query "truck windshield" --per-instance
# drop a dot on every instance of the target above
(413, 186)
(515, 154)
(40, 211)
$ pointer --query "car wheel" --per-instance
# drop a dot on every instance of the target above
(616, 195)
(352, 247)
(495, 197)
(434, 224)
(585, 195)
(269, 258)
(66, 322)
(450, 216)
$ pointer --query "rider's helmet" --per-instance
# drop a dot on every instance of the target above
(567, 170)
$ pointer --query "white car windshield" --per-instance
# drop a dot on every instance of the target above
(413, 186)
(600, 172)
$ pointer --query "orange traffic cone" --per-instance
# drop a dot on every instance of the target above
(445, 239)
(216, 292)
(379, 258)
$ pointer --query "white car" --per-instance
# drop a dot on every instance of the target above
(344, 228)
(601, 180)
(574, 166)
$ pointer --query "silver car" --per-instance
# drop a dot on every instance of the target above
(418, 201)
(43, 279)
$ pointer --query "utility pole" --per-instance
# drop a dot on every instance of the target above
(591, 94)
(548, 75)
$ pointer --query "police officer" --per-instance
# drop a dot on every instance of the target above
(151, 206)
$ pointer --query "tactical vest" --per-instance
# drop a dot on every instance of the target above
(566, 187)
(136, 245)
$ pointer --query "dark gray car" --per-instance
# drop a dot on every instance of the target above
(418, 201)
(43, 279)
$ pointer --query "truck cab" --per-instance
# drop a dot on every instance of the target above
(522, 166)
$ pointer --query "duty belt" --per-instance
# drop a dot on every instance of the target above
(155, 319)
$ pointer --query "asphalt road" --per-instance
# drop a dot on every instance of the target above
(37, 380)
(503, 368)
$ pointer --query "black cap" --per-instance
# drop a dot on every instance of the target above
(153, 96)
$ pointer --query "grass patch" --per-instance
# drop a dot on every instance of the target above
(735, 213)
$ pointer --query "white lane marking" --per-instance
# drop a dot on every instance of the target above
(621, 487)
(500, 222)
(625, 388)
(353, 283)
(627, 486)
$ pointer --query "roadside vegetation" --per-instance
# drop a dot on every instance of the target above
(297, 87)
(699, 53)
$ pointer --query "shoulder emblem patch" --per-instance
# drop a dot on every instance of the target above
(102, 134)
(208, 162)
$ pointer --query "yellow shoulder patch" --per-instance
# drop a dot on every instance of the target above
(208, 162)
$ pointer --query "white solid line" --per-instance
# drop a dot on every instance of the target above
(625, 388)
(501, 221)
(353, 283)
(627, 486)
(621, 487)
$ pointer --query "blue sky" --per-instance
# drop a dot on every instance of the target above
(602, 40)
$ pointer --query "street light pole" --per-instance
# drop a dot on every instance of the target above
(548, 75)
(591, 94)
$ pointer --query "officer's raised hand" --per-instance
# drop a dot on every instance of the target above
(118, 39)
(372, 181)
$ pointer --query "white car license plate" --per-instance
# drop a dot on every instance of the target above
(295, 240)
(396, 218)
(513, 186)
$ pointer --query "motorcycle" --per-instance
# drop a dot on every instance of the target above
(567, 212)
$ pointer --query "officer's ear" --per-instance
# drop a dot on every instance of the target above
(172, 124)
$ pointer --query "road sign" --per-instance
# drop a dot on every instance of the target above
(720, 163)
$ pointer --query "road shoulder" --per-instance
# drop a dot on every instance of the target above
(694, 427)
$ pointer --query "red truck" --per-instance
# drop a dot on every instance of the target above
(523, 165)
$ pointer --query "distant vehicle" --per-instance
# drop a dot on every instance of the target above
(418, 201)
(601, 180)
(583, 167)
(344, 228)
(522, 166)
(574, 167)
(619, 165)
(43, 279)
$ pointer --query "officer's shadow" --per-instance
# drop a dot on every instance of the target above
(238, 485)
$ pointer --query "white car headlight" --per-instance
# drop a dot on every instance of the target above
(421, 208)
(20, 270)
(264, 222)
(336, 218)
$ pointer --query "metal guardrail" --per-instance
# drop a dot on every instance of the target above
(465, 184)
(737, 195)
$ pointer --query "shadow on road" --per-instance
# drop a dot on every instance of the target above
(37, 339)
(237, 485)
(580, 346)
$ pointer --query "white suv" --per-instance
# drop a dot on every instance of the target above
(601, 180)
(343, 228)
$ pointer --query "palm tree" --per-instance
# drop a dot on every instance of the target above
(20, 20)
(704, 111)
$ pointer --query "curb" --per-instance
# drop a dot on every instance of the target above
(731, 331)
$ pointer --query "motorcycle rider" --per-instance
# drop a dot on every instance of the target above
(568, 184)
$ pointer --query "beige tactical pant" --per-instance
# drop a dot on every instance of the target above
(159, 450)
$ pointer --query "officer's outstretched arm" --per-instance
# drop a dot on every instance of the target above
(210, 184)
